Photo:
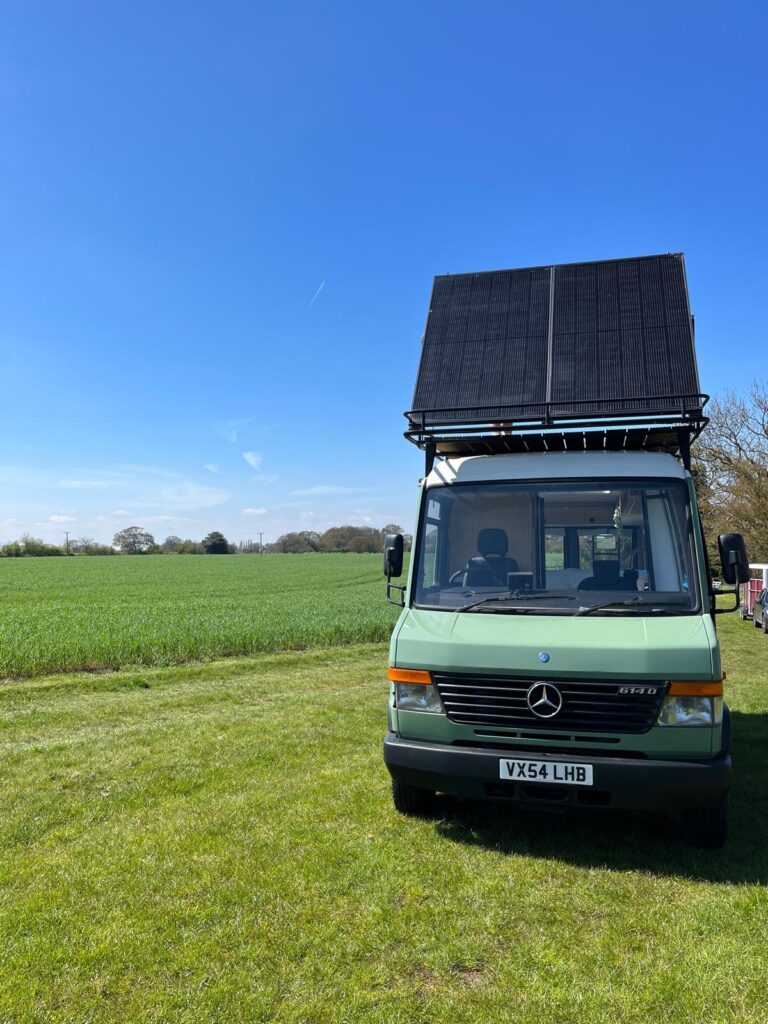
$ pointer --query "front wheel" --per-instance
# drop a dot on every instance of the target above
(707, 827)
(765, 624)
(410, 799)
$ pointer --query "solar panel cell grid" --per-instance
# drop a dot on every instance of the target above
(619, 335)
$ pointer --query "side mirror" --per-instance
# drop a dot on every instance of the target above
(733, 558)
(393, 555)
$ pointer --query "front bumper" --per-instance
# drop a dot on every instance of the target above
(620, 783)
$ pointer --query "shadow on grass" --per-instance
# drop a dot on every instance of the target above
(632, 842)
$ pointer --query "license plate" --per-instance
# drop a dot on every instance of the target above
(562, 772)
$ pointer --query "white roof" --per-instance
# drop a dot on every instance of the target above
(554, 466)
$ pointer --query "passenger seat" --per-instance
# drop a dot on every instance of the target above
(492, 565)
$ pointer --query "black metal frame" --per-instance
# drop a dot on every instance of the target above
(714, 594)
(559, 426)
(400, 588)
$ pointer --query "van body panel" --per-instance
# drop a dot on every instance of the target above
(555, 466)
(611, 645)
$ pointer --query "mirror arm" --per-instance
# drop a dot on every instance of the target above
(400, 588)
(714, 594)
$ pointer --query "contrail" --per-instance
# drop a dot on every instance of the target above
(314, 297)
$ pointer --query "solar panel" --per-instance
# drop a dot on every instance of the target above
(573, 341)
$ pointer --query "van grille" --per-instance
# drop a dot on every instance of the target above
(588, 704)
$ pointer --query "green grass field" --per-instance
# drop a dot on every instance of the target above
(59, 614)
(215, 843)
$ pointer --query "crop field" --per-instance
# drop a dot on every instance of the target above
(60, 614)
(214, 843)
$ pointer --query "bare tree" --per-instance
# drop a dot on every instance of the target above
(291, 543)
(311, 538)
(394, 528)
(731, 469)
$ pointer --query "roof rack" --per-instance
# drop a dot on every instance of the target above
(545, 431)
(575, 357)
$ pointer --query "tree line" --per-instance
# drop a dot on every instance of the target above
(135, 540)
(358, 539)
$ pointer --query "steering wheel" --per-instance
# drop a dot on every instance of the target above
(459, 576)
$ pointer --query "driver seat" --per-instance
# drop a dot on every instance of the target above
(491, 565)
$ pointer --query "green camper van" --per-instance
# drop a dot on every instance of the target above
(557, 641)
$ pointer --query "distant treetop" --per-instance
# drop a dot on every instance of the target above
(134, 541)
(216, 544)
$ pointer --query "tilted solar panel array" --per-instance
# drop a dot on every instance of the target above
(574, 339)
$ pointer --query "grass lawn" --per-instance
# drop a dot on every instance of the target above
(63, 614)
(215, 842)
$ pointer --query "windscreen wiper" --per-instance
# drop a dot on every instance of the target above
(517, 597)
(630, 602)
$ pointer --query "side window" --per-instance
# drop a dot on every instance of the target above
(431, 534)
(595, 544)
(605, 544)
(554, 549)
(431, 571)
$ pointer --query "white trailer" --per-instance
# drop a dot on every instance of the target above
(753, 587)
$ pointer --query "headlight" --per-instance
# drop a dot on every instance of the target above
(417, 697)
(691, 711)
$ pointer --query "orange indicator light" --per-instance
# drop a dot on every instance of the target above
(409, 675)
(681, 688)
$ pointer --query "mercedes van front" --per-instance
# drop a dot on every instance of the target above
(557, 643)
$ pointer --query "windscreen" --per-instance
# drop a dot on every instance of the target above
(557, 547)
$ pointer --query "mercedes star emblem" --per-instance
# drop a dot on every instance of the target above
(544, 700)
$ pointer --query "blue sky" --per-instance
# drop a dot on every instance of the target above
(220, 224)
